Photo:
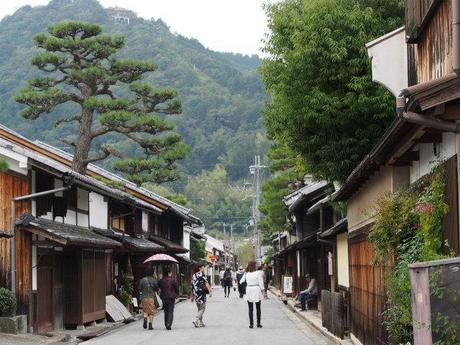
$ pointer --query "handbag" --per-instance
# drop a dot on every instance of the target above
(243, 285)
(157, 301)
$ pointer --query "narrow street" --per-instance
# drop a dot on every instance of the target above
(226, 323)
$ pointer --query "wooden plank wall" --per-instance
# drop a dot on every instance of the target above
(333, 315)
(367, 293)
(434, 50)
(450, 230)
(12, 186)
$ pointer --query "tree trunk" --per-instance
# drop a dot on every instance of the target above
(83, 143)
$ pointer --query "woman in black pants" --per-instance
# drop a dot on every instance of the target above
(254, 292)
(227, 282)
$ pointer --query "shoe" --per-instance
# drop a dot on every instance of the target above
(150, 326)
(195, 324)
(259, 326)
(168, 328)
(145, 324)
(251, 326)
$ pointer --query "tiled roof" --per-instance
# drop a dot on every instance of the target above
(170, 245)
(134, 243)
(65, 234)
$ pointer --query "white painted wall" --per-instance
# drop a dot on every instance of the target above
(145, 221)
(98, 211)
(428, 158)
(16, 162)
(34, 268)
(343, 277)
(186, 240)
(389, 60)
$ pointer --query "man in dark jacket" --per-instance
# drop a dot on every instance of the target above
(169, 289)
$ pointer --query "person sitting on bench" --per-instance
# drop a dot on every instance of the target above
(310, 293)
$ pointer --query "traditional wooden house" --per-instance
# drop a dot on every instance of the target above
(305, 255)
(71, 234)
(424, 132)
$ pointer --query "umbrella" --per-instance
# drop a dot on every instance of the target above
(161, 258)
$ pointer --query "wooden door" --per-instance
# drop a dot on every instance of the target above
(44, 292)
(58, 292)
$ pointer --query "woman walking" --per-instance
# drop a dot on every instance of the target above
(254, 292)
(241, 287)
(228, 278)
(200, 287)
(148, 286)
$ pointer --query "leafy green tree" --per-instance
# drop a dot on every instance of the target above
(198, 250)
(286, 169)
(245, 253)
(324, 104)
(217, 202)
(166, 192)
(80, 68)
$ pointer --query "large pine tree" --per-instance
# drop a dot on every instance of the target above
(79, 66)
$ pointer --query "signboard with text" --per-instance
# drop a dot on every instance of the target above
(287, 284)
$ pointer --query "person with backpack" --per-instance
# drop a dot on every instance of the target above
(228, 280)
(200, 287)
(241, 287)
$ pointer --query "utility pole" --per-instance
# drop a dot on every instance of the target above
(225, 249)
(255, 170)
(231, 239)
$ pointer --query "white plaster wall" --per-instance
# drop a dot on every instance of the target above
(428, 159)
(71, 217)
(16, 162)
(82, 199)
(389, 60)
(186, 243)
(98, 211)
(343, 277)
(145, 221)
(83, 220)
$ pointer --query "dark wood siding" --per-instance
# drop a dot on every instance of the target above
(417, 14)
(367, 293)
(93, 282)
(450, 220)
(434, 50)
(12, 186)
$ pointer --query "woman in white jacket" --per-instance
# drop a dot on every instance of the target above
(254, 292)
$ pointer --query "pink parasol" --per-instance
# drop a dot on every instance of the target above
(161, 258)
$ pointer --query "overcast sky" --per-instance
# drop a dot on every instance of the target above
(222, 25)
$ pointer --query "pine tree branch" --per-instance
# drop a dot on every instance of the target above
(105, 152)
(100, 131)
(62, 120)
(68, 141)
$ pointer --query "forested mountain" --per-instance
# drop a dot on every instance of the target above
(222, 94)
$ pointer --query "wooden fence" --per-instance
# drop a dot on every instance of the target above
(333, 312)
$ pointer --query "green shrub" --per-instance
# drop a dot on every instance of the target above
(186, 288)
(7, 303)
(408, 229)
(125, 298)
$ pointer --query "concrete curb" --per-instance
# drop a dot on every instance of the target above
(305, 318)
